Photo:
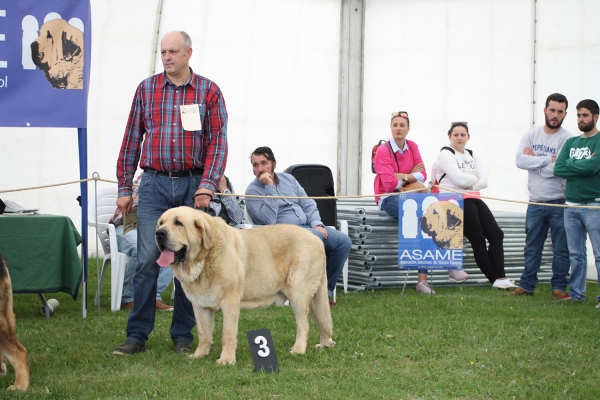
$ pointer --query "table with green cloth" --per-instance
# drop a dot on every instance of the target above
(41, 252)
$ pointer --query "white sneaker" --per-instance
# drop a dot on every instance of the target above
(503, 284)
(457, 275)
(423, 287)
(598, 305)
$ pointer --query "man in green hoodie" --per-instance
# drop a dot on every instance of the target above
(579, 164)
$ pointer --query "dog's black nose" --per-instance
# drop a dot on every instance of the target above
(160, 234)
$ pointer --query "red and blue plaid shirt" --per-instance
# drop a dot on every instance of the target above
(155, 120)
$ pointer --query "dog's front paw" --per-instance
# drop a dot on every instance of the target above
(18, 387)
(298, 349)
(226, 361)
(13, 387)
(201, 351)
(328, 343)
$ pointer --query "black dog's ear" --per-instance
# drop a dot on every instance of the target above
(69, 47)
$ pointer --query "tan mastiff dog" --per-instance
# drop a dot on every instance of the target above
(226, 269)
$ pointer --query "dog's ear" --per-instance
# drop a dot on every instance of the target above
(69, 47)
(453, 215)
(203, 227)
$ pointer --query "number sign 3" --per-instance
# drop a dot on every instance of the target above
(262, 349)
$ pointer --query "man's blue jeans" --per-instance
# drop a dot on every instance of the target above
(337, 249)
(128, 245)
(157, 194)
(538, 220)
(579, 222)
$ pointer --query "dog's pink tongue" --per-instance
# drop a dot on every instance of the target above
(166, 258)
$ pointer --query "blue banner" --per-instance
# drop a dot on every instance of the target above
(430, 231)
(45, 53)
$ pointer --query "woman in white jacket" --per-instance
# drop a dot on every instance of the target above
(460, 170)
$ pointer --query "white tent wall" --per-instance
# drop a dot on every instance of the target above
(277, 63)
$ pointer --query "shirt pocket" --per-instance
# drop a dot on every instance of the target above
(154, 115)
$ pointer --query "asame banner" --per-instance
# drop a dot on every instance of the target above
(45, 53)
(430, 231)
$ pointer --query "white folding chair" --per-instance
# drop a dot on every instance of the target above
(104, 208)
(118, 263)
(100, 212)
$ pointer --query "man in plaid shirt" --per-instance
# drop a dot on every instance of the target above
(177, 131)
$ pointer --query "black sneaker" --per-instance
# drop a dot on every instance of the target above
(128, 348)
(182, 347)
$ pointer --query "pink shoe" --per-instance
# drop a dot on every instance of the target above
(457, 275)
(424, 287)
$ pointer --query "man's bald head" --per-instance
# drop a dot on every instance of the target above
(176, 51)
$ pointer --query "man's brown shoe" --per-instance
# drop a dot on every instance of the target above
(161, 306)
(128, 305)
(557, 294)
(519, 292)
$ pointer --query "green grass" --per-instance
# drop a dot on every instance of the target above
(469, 343)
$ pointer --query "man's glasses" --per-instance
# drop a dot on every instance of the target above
(458, 123)
(402, 114)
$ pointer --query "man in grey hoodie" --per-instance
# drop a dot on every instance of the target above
(537, 154)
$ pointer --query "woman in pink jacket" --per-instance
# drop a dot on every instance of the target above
(400, 168)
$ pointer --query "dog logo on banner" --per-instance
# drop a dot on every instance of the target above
(58, 51)
(430, 231)
(44, 63)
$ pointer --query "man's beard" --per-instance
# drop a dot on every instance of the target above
(586, 127)
(549, 124)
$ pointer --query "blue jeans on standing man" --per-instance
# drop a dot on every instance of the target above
(157, 194)
(538, 220)
(579, 222)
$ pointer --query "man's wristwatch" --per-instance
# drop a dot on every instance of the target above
(321, 225)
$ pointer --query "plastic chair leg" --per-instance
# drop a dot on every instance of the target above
(116, 282)
(101, 281)
(343, 227)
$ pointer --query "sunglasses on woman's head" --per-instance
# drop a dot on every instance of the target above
(453, 124)
(402, 114)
